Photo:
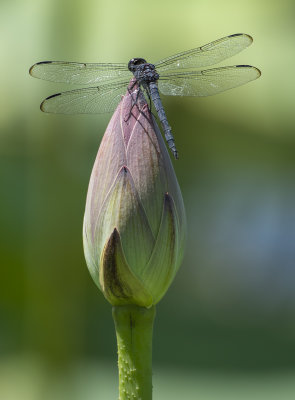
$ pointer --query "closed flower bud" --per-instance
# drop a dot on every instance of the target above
(134, 223)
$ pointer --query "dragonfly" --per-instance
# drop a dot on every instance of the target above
(177, 75)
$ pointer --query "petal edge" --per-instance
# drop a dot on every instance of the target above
(118, 283)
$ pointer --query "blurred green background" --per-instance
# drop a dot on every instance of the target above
(226, 328)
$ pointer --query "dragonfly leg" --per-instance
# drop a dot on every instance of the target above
(149, 97)
(134, 102)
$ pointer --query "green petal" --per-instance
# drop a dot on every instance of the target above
(119, 285)
(172, 186)
(91, 261)
(123, 210)
(163, 263)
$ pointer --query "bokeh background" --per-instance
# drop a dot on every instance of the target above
(226, 328)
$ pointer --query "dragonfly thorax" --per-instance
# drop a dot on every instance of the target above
(143, 71)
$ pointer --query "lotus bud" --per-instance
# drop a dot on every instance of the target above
(134, 224)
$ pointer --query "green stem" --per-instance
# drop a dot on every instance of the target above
(134, 330)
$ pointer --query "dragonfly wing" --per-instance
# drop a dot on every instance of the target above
(210, 54)
(207, 82)
(93, 100)
(78, 73)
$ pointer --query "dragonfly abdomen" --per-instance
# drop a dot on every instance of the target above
(155, 96)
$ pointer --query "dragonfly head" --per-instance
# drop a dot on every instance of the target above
(134, 62)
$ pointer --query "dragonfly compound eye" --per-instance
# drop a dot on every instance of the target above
(134, 62)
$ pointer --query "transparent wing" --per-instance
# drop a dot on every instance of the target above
(207, 82)
(209, 54)
(78, 73)
(93, 100)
